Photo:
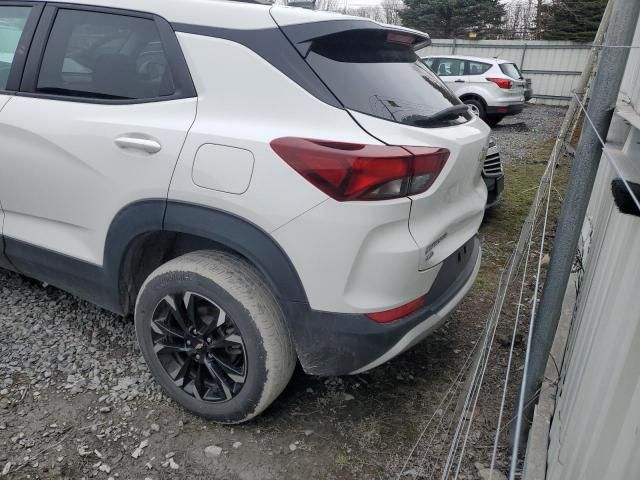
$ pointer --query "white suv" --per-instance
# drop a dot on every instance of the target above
(257, 185)
(493, 88)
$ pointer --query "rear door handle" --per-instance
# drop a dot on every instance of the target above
(147, 145)
(459, 81)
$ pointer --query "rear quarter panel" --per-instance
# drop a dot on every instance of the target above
(244, 102)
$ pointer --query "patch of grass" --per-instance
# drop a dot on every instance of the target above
(502, 224)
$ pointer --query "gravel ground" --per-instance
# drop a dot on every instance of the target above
(77, 401)
(536, 125)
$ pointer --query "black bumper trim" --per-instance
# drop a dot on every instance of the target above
(511, 110)
(495, 187)
(338, 344)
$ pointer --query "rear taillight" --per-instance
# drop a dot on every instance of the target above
(347, 171)
(398, 312)
(502, 82)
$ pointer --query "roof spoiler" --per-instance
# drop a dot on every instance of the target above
(301, 35)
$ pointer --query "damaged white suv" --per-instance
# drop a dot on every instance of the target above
(257, 185)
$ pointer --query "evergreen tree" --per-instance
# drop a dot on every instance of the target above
(571, 20)
(454, 18)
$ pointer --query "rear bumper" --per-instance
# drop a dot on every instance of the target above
(513, 109)
(339, 344)
(495, 187)
(528, 94)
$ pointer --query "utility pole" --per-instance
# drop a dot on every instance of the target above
(539, 20)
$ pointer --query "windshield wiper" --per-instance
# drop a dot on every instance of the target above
(450, 113)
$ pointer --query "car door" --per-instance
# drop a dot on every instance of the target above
(17, 24)
(452, 72)
(104, 107)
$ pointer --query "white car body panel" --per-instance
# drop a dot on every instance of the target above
(450, 212)
(286, 16)
(3, 100)
(68, 179)
(364, 258)
(222, 13)
(233, 112)
(424, 328)
(223, 168)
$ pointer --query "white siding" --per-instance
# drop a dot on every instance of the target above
(595, 433)
(631, 85)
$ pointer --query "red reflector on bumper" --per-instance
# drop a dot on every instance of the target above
(398, 312)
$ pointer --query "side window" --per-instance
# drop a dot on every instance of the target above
(12, 23)
(428, 62)
(450, 67)
(478, 68)
(105, 56)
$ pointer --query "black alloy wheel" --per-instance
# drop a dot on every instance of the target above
(199, 347)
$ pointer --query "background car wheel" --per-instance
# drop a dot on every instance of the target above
(476, 107)
(214, 336)
(494, 120)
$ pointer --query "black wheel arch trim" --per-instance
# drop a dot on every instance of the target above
(102, 284)
(474, 96)
(243, 237)
(224, 228)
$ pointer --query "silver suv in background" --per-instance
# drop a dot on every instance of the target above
(493, 88)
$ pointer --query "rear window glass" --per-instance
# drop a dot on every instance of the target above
(373, 75)
(478, 68)
(511, 70)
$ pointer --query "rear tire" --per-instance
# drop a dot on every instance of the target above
(477, 107)
(214, 336)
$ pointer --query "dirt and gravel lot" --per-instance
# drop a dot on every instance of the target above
(77, 401)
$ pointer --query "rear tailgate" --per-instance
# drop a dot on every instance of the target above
(451, 211)
(513, 72)
(374, 72)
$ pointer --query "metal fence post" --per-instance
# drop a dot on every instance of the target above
(524, 54)
(604, 95)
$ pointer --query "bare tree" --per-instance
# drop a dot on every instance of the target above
(331, 5)
(391, 10)
(387, 12)
(521, 20)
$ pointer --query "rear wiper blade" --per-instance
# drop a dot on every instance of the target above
(451, 112)
(448, 113)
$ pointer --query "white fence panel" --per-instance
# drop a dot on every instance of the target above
(554, 67)
(595, 432)
(631, 84)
